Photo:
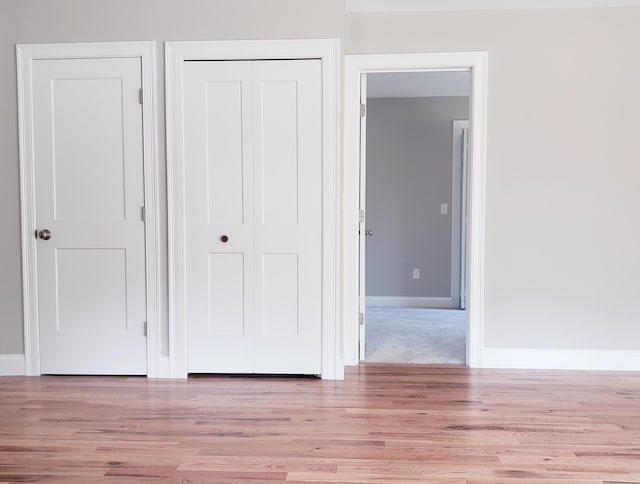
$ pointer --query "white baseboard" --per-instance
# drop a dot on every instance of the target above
(560, 359)
(409, 302)
(12, 365)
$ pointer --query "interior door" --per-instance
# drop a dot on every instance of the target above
(89, 199)
(219, 216)
(253, 216)
(362, 232)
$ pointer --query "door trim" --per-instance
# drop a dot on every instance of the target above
(458, 213)
(26, 54)
(176, 53)
(355, 66)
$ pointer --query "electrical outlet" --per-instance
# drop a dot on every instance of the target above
(444, 208)
(416, 273)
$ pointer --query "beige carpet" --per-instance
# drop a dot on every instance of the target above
(415, 335)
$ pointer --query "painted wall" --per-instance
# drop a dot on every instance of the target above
(34, 21)
(409, 174)
(562, 232)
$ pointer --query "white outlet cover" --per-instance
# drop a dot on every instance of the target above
(444, 208)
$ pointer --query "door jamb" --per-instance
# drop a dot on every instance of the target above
(355, 66)
(458, 214)
(26, 54)
(176, 53)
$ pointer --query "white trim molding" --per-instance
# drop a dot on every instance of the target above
(176, 53)
(355, 67)
(26, 55)
(12, 365)
(381, 6)
(561, 359)
(408, 302)
(458, 213)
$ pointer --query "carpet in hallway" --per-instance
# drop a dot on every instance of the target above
(415, 335)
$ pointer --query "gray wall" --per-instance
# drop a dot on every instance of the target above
(33, 21)
(409, 171)
(562, 228)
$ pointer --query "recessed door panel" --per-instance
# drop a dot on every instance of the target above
(88, 161)
(226, 295)
(280, 305)
(87, 122)
(87, 279)
(225, 190)
(278, 122)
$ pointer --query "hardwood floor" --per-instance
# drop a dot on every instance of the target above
(383, 424)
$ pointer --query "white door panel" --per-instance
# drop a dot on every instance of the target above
(219, 198)
(253, 142)
(89, 185)
(288, 227)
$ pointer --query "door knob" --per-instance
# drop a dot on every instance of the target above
(45, 234)
(224, 238)
(368, 232)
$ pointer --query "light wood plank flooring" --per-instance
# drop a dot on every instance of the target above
(382, 424)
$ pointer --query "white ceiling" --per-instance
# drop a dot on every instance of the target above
(448, 5)
(418, 84)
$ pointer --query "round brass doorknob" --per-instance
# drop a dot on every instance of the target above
(224, 238)
(45, 234)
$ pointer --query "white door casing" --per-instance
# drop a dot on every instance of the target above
(464, 223)
(252, 164)
(177, 54)
(362, 228)
(87, 169)
(355, 67)
(459, 213)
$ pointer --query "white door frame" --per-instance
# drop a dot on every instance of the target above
(458, 215)
(355, 67)
(26, 54)
(176, 53)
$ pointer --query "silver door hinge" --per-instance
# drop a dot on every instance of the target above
(140, 98)
(144, 328)
(142, 214)
(361, 319)
(361, 216)
(363, 110)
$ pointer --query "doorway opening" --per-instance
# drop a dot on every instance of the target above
(358, 67)
(412, 195)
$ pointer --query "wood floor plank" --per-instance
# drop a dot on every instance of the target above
(382, 424)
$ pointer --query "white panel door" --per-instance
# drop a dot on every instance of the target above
(89, 196)
(253, 216)
(288, 214)
(219, 198)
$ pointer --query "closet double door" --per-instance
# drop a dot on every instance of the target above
(253, 191)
